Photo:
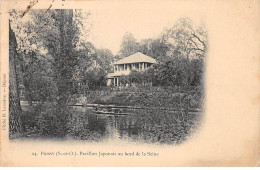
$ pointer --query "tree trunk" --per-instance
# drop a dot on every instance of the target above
(64, 60)
(14, 101)
(28, 95)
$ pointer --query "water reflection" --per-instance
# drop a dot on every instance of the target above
(153, 125)
(150, 126)
(125, 127)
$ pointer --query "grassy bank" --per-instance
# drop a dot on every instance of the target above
(161, 98)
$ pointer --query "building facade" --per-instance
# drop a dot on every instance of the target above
(137, 61)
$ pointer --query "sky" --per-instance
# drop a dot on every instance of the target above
(144, 19)
(147, 20)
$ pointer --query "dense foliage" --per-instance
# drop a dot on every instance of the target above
(178, 72)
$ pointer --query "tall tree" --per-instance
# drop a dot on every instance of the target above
(155, 48)
(14, 101)
(104, 59)
(128, 46)
(59, 34)
(187, 40)
(66, 59)
(47, 43)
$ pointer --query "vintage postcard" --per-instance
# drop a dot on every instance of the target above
(130, 83)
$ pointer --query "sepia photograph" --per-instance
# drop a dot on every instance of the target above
(129, 83)
(67, 81)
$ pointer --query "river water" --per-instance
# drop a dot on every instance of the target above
(110, 127)
(140, 125)
(149, 126)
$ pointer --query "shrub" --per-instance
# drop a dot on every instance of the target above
(53, 121)
(77, 129)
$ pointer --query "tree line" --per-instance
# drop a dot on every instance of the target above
(174, 73)
(179, 50)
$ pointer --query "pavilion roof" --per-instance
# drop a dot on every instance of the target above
(136, 58)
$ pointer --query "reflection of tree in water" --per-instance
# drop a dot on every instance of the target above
(85, 127)
(163, 127)
(96, 123)
(128, 127)
(158, 127)
(149, 126)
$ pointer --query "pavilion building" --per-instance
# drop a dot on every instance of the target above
(137, 61)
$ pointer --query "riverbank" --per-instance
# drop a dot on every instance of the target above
(164, 120)
(159, 98)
